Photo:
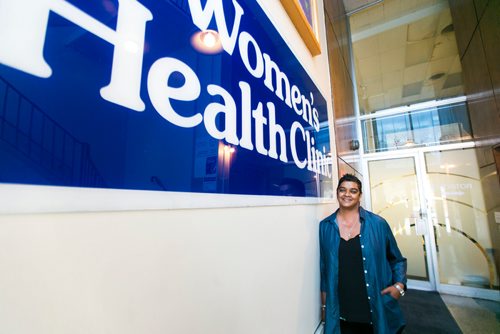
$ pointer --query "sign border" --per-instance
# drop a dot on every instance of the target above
(34, 199)
(299, 19)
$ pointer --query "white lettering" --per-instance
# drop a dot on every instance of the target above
(202, 18)
(296, 100)
(160, 92)
(229, 111)
(260, 121)
(23, 30)
(276, 129)
(309, 141)
(125, 85)
(316, 119)
(23, 27)
(293, 132)
(243, 42)
(281, 79)
(246, 116)
(306, 110)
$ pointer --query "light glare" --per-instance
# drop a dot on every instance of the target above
(207, 41)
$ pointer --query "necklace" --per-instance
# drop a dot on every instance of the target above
(349, 232)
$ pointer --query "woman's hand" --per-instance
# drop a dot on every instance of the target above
(393, 291)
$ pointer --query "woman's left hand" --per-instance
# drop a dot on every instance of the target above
(392, 291)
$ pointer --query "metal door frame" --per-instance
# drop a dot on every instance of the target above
(430, 247)
(418, 155)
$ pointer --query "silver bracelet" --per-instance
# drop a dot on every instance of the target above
(401, 291)
(323, 306)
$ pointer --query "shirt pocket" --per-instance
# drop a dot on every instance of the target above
(392, 312)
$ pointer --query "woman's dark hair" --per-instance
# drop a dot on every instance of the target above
(350, 178)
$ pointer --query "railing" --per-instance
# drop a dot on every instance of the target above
(45, 145)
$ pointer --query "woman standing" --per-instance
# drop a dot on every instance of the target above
(363, 273)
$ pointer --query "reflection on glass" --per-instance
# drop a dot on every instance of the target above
(325, 184)
(207, 41)
(349, 165)
(430, 126)
(307, 7)
(395, 196)
(198, 99)
(464, 197)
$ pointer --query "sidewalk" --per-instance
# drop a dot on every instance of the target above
(474, 315)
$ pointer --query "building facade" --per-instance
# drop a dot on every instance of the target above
(164, 164)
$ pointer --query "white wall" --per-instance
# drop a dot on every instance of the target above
(247, 270)
(221, 270)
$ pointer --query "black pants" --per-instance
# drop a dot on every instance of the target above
(347, 327)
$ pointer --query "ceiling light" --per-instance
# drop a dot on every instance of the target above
(447, 166)
(437, 76)
(448, 28)
(409, 142)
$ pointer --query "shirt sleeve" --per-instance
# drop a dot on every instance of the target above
(396, 260)
(322, 260)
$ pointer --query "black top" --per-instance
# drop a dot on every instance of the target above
(353, 298)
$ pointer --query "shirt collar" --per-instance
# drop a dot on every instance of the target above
(362, 215)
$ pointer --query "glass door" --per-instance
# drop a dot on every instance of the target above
(463, 193)
(396, 193)
(444, 209)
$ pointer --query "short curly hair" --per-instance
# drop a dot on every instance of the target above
(350, 178)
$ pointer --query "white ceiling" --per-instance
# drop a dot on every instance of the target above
(402, 55)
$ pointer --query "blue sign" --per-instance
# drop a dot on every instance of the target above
(168, 95)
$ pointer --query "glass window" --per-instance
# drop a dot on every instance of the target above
(426, 127)
(463, 199)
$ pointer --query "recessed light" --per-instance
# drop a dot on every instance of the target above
(448, 28)
(437, 76)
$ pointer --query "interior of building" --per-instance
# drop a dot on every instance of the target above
(417, 116)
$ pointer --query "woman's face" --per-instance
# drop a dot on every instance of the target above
(348, 195)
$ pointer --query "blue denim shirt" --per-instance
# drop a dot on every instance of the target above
(383, 266)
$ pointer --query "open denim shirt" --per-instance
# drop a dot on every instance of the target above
(383, 266)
